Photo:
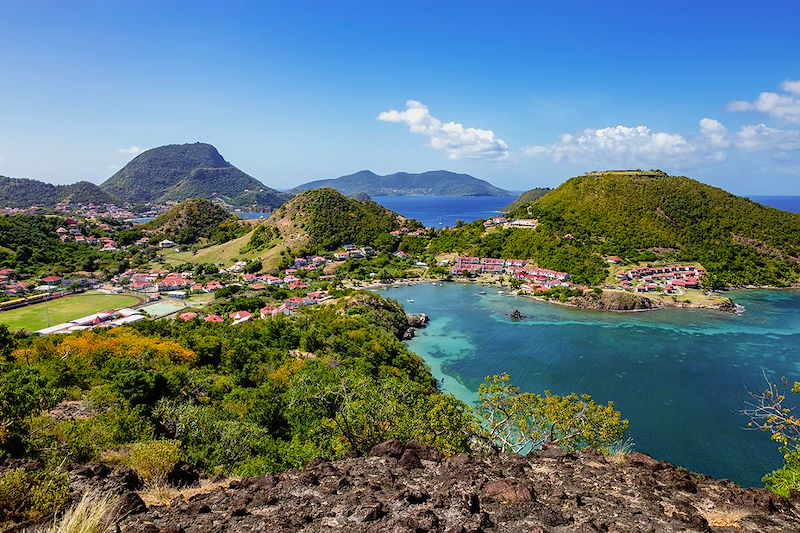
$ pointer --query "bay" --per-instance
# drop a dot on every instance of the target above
(679, 376)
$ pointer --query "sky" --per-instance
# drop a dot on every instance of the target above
(523, 94)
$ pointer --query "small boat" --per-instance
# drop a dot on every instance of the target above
(410, 301)
(500, 292)
(481, 292)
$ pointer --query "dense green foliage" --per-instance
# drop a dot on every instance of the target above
(435, 182)
(22, 193)
(30, 245)
(526, 198)
(327, 218)
(547, 248)
(196, 220)
(258, 397)
(183, 171)
(738, 241)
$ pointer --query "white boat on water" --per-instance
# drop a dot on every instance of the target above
(481, 292)
(410, 301)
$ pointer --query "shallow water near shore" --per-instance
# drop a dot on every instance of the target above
(680, 376)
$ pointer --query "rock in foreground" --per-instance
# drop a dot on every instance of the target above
(407, 488)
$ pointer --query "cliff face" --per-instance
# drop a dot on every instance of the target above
(408, 488)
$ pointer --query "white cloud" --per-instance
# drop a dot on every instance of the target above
(640, 146)
(758, 137)
(779, 106)
(452, 138)
(620, 145)
(133, 150)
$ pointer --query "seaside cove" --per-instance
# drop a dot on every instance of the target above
(680, 376)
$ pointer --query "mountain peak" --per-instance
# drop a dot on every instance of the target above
(193, 170)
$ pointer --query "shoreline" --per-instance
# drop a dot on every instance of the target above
(659, 304)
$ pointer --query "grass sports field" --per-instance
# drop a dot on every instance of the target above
(34, 317)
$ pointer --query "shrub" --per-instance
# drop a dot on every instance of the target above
(32, 496)
(154, 460)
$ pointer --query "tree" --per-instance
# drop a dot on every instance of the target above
(516, 421)
(772, 411)
(24, 393)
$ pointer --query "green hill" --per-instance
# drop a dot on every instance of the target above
(182, 171)
(435, 182)
(647, 216)
(320, 220)
(528, 197)
(22, 193)
(194, 221)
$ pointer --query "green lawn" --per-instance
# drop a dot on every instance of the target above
(34, 317)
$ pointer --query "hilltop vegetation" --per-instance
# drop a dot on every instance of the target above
(435, 182)
(675, 218)
(644, 217)
(321, 219)
(29, 245)
(528, 197)
(183, 171)
(194, 221)
(22, 193)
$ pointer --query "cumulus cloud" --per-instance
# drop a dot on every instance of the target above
(638, 145)
(779, 106)
(133, 150)
(641, 146)
(759, 137)
(452, 138)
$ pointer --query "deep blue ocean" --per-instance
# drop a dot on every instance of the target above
(680, 376)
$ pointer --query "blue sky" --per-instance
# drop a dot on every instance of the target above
(521, 93)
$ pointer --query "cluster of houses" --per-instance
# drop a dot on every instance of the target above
(409, 232)
(534, 279)
(72, 233)
(484, 265)
(95, 210)
(504, 222)
(351, 251)
(287, 308)
(671, 279)
(96, 320)
(10, 286)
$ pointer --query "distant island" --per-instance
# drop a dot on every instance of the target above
(432, 183)
(166, 174)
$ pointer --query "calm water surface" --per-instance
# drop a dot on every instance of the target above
(679, 376)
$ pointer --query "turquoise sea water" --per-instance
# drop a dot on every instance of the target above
(679, 376)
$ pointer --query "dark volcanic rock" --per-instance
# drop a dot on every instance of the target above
(544, 492)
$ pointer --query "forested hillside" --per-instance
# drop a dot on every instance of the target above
(320, 219)
(646, 216)
(434, 182)
(30, 245)
(196, 220)
(184, 171)
(22, 193)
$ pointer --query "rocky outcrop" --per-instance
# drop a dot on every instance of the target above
(415, 321)
(401, 488)
(616, 301)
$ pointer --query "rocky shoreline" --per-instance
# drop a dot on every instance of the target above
(401, 488)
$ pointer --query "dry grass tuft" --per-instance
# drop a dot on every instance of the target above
(725, 517)
(162, 495)
(94, 513)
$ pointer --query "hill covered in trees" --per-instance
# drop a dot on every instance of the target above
(30, 245)
(646, 216)
(526, 198)
(196, 220)
(322, 219)
(435, 182)
(23, 193)
(183, 171)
